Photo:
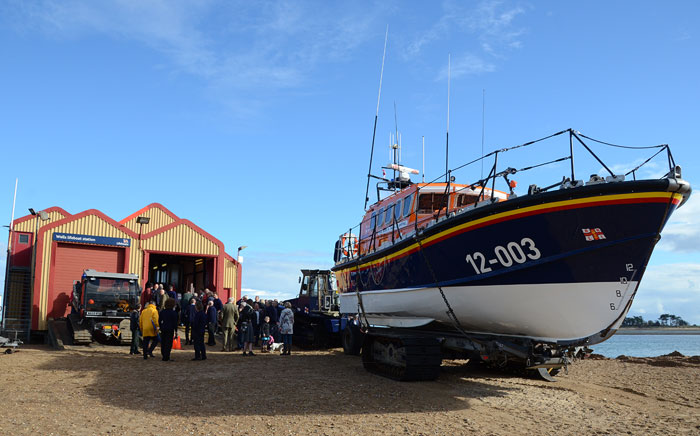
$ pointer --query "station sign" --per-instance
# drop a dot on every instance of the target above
(90, 239)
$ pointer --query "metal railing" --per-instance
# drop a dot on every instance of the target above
(368, 244)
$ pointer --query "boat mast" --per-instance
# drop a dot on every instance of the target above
(376, 115)
(447, 137)
(483, 117)
(423, 159)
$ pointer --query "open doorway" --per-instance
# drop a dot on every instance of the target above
(181, 271)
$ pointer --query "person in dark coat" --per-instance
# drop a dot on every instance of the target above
(211, 322)
(188, 317)
(218, 303)
(171, 292)
(134, 327)
(168, 326)
(246, 328)
(258, 317)
(199, 324)
(271, 311)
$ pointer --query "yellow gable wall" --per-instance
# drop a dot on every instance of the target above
(181, 239)
(87, 225)
(30, 225)
(158, 219)
(230, 273)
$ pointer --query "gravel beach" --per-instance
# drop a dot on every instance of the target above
(102, 390)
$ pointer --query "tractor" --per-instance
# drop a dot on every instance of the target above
(100, 306)
(317, 321)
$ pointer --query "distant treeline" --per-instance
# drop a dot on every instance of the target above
(665, 320)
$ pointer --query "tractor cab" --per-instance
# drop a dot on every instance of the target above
(105, 294)
(318, 291)
(100, 306)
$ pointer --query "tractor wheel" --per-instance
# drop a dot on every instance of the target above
(352, 340)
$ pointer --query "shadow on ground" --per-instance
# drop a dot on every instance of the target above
(315, 382)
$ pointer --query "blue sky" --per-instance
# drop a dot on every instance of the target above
(254, 120)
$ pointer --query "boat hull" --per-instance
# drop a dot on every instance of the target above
(557, 266)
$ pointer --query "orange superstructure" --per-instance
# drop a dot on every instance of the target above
(414, 207)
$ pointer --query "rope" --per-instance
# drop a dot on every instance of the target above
(621, 146)
(644, 163)
(449, 312)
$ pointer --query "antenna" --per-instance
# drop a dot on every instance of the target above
(483, 115)
(395, 144)
(423, 159)
(374, 131)
(447, 137)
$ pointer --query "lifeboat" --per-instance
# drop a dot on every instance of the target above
(560, 264)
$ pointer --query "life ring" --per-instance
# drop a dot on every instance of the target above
(351, 241)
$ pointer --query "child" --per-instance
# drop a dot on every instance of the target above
(265, 335)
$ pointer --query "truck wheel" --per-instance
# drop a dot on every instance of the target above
(352, 340)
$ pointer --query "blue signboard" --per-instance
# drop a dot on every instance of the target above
(89, 239)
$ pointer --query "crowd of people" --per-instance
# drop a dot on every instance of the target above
(243, 325)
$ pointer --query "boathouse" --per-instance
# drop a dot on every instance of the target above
(51, 248)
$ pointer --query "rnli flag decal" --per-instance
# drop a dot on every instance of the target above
(593, 234)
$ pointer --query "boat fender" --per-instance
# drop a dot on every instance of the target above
(617, 178)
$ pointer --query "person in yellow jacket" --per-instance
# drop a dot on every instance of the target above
(149, 329)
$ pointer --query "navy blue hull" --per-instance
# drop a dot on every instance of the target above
(590, 234)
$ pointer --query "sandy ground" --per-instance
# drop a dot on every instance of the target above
(103, 390)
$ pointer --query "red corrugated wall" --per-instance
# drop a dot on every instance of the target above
(70, 261)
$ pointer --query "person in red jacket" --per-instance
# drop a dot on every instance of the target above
(146, 295)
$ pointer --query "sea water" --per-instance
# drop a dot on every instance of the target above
(649, 345)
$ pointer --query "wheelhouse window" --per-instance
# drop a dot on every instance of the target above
(372, 221)
(465, 200)
(397, 210)
(387, 218)
(407, 205)
(380, 217)
(429, 203)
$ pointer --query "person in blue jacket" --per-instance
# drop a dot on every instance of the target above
(168, 325)
(199, 324)
(188, 313)
(212, 322)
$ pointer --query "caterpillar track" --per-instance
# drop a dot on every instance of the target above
(402, 358)
(81, 333)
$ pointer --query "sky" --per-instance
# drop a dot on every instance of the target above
(254, 119)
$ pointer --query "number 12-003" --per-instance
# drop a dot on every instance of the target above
(510, 254)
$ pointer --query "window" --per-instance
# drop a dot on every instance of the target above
(372, 221)
(397, 210)
(380, 217)
(407, 205)
(466, 200)
(24, 239)
(305, 287)
(387, 218)
(429, 203)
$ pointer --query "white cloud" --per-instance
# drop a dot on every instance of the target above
(491, 22)
(670, 288)
(241, 51)
(682, 232)
(276, 274)
(466, 65)
(650, 170)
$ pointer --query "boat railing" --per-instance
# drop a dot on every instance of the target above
(416, 221)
